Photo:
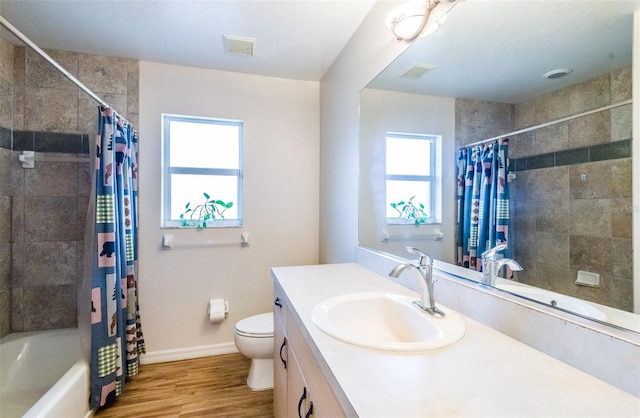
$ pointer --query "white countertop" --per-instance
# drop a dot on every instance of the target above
(486, 374)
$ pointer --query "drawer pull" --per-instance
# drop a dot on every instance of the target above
(310, 411)
(284, 343)
(302, 398)
(278, 303)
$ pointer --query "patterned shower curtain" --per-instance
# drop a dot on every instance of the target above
(483, 202)
(116, 336)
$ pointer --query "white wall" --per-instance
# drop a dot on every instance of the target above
(281, 204)
(371, 49)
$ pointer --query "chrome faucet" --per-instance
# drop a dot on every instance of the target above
(425, 278)
(491, 266)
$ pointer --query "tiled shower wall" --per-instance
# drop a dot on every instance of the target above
(6, 101)
(571, 198)
(47, 205)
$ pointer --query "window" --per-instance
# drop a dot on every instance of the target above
(201, 155)
(411, 179)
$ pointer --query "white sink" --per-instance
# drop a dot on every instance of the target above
(554, 299)
(386, 321)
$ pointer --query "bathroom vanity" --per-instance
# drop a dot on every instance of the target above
(485, 373)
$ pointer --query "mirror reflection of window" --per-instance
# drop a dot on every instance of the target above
(410, 176)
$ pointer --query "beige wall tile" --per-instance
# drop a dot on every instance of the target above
(554, 277)
(550, 139)
(591, 254)
(621, 123)
(622, 258)
(552, 215)
(6, 61)
(622, 294)
(40, 73)
(524, 114)
(621, 217)
(553, 183)
(622, 177)
(51, 219)
(18, 88)
(6, 104)
(103, 74)
(592, 217)
(553, 248)
(52, 179)
(590, 130)
(49, 307)
(597, 183)
(50, 110)
(621, 84)
(552, 106)
(133, 88)
(589, 95)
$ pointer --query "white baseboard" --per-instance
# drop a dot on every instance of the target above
(176, 354)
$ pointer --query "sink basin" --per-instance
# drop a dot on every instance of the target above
(386, 321)
(554, 299)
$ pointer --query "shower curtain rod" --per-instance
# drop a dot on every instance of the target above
(51, 61)
(544, 125)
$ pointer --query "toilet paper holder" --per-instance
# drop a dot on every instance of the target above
(214, 309)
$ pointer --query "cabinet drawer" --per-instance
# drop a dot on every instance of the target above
(279, 305)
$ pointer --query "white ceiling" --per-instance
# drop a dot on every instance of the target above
(483, 51)
(297, 39)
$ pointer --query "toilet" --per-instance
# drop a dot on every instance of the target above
(254, 339)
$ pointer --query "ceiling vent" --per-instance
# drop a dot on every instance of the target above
(417, 71)
(239, 45)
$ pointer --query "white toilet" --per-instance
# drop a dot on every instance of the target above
(254, 339)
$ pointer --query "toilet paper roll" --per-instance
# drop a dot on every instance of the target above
(218, 310)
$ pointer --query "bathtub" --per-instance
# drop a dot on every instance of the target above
(43, 374)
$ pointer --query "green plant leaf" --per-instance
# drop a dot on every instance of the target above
(206, 196)
(187, 205)
(228, 205)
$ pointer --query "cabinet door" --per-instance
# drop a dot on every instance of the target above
(325, 403)
(299, 397)
(280, 364)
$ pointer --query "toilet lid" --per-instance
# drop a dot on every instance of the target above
(261, 324)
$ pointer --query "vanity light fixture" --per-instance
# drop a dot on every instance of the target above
(418, 18)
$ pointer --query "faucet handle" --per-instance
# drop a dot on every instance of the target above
(491, 253)
(424, 258)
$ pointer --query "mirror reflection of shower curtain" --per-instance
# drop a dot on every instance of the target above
(483, 201)
(116, 335)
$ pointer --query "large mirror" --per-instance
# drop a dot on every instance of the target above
(481, 76)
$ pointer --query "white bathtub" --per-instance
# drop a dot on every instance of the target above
(43, 374)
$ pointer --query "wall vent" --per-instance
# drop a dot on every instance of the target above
(239, 45)
(417, 71)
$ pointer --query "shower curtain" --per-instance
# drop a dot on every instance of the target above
(483, 202)
(116, 335)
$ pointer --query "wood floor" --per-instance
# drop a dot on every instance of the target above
(205, 387)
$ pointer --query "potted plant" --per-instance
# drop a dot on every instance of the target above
(200, 215)
(408, 210)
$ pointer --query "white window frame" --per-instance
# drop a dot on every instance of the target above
(167, 171)
(434, 212)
